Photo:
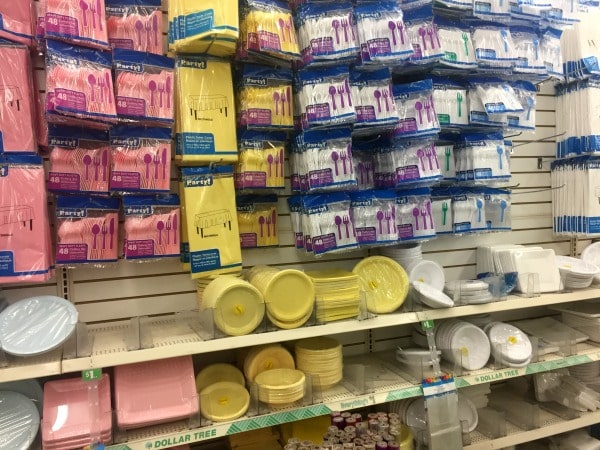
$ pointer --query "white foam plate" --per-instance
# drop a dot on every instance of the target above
(428, 272)
(577, 267)
(512, 344)
(464, 286)
(543, 263)
(431, 296)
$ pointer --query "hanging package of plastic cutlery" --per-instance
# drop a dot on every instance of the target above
(406, 163)
(264, 98)
(423, 35)
(329, 223)
(363, 157)
(527, 10)
(497, 209)
(529, 55)
(143, 84)
(325, 159)
(382, 33)
(373, 100)
(478, 114)
(151, 227)
(450, 100)
(481, 158)
(416, 109)
(455, 6)
(79, 160)
(468, 211)
(135, 25)
(457, 44)
(527, 94)
(295, 207)
(141, 159)
(373, 214)
(267, 32)
(87, 230)
(324, 97)
(80, 22)
(562, 13)
(552, 54)
(497, 96)
(326, 33)
(258, 220)
(441, 210)
(492, 10)
(448, 166)
(414, 215)
(494, 47)
(261, 160)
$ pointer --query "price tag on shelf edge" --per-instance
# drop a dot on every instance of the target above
(91, 374)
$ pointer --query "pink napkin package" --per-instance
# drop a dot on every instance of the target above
(135, 25)
(17, 21)
(17, 112)
(78, 84)
(141, 159)
(87, 230)
(25, 245)
(144, 87)
(79, 160)
(151, 227)
(81, 22)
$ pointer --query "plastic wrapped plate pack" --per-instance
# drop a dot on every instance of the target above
(19, 421)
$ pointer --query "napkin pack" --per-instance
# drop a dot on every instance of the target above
(135, 25)
(211, 220)
(81, 22)
(145, 85)
(151, 227)
(373, 215)
(25, 244)
(80, 160)
(141, 159)
(261, 160)
(17, 20)
(373, 100)
(87, 230)
(416, 109)
(413, 215)
(258, 220)
(205, 126)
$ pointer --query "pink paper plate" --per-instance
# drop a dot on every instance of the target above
(67, 415)
(75, 443)
(154, 392)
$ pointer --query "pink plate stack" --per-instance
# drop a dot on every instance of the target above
(154, 392)
(76, 413)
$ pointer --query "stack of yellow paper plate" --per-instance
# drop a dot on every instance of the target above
(224, 401)
(320, 357)
(384, 282)
(289, 294)
(267, 357)
(238, 307)
(218, 372)
(280, 386)
(337, 294)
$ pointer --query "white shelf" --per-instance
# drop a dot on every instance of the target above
(385, 385)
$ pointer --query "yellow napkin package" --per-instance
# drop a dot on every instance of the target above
(267, 31)
(211, 220)
(261, 160)
(264, 100)
(195, 24)
(258, 221)
(205, 128)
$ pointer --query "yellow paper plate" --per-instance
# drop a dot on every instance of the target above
(224, 401)
(384, 282)
(280, 379)
(289, 325)
(218, 372)
(328, 275)
(267, 357)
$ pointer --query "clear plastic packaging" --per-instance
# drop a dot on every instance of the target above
(25, 243)
(262, 160)
(327, 33)
(450, 99)
(373, 100)
(140, 159)
(87, 230)
(481, 158)
(81, 22)
(526, 92)
(414, 215)
(552, 54)
(528, 46)
(17, 22)
(457, 44)
(493, 10)
(20, 420)
(363, 156)
(382, 33)
(498, 209)
(143, 87)
(79, 160)
(445, 150)
(494, 47)
(79, 84)
(423, 35)
(151, 227)
(258, 220)
(295, 207)
(416, 109)
(468, 211)
(264, 98)
(135, 25)
(373, 214)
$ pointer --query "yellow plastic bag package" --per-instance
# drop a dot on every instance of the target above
(205, 129)
(211, 220)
